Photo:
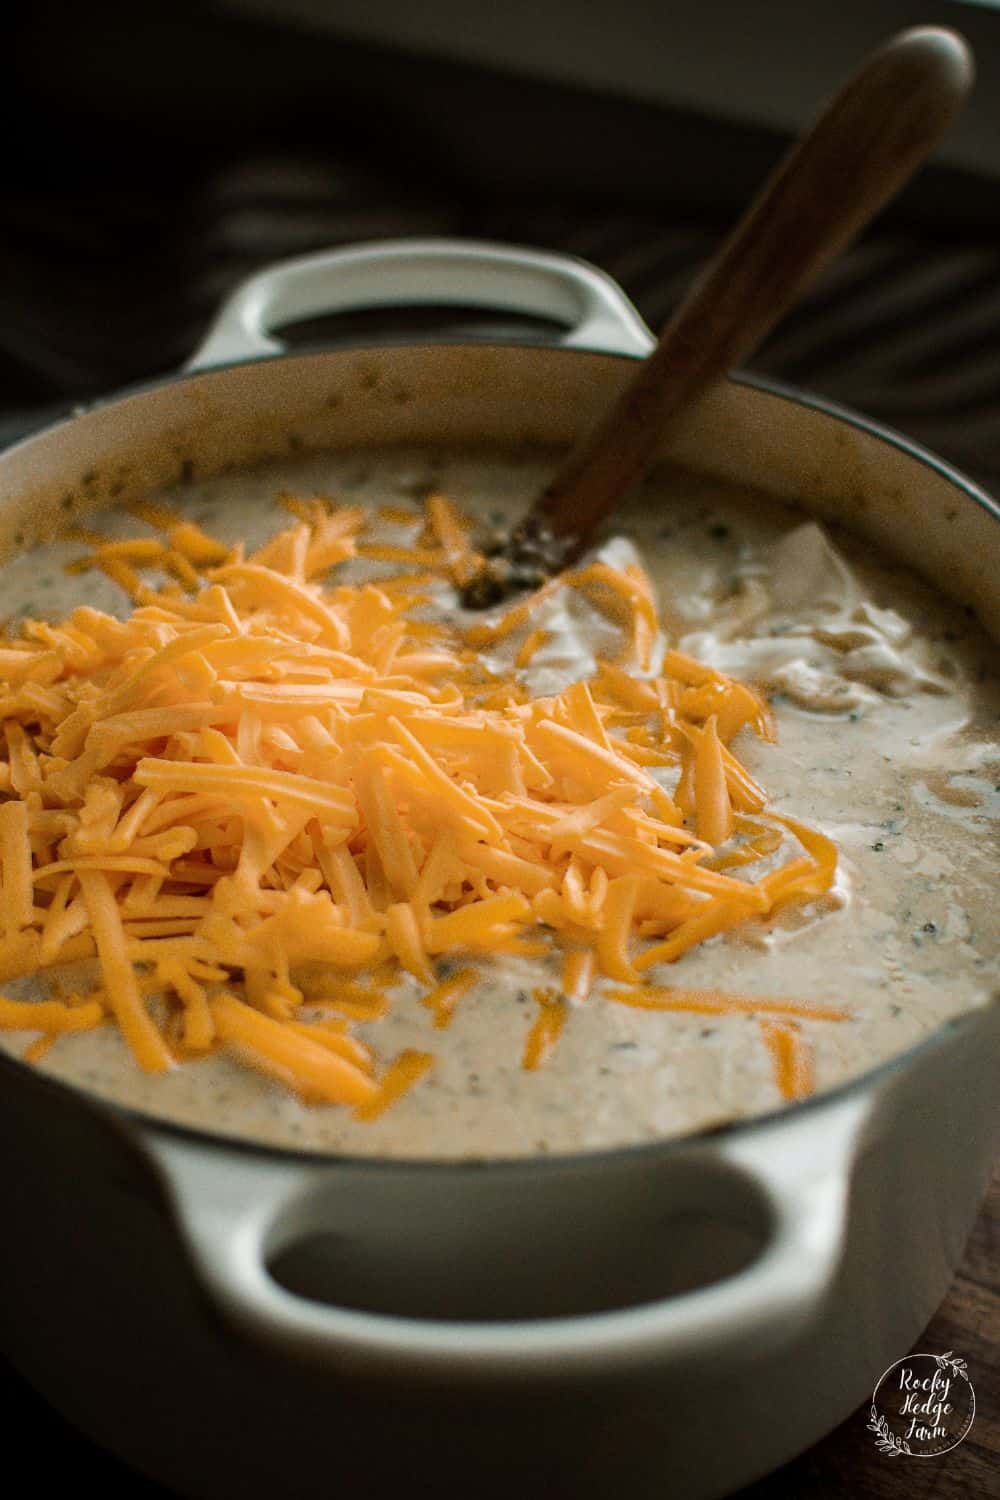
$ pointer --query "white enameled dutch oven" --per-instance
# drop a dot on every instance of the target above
(669, 1319)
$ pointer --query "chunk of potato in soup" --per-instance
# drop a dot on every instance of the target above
(887, 704)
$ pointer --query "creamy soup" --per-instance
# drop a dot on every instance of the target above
(887, 705)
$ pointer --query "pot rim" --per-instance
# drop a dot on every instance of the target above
(709, 1135)
(767, 384)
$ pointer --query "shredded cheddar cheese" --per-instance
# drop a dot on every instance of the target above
(791, 1058)
(263, 774)
(545, 1029)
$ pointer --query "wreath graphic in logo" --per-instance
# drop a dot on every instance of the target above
(922, 1406)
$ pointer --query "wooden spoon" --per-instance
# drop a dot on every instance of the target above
(865, 145)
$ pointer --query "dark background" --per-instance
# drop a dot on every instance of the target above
(156, 154)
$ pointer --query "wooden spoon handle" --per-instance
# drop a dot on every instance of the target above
(867, 142)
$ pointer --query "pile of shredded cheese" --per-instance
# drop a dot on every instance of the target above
(264, 794)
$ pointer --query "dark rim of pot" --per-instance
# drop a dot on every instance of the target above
(794, 1110)
(767, 384)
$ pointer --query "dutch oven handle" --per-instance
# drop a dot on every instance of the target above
(237, 1208)
(589, 306)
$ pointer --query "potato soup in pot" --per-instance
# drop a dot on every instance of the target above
(879, 742)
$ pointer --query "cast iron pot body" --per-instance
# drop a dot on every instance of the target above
(675, 1318)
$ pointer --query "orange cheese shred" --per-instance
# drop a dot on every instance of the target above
(444, 997)
(791, 1058)
(617, 915)
(530, 646)
(720, 1002)
(50, 1016)
(578, 973)
(15, 852)
(400, 1076)
(713, 809)
(137, 1026)
(545, 1030)
(451, 532)
(287, 1055)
